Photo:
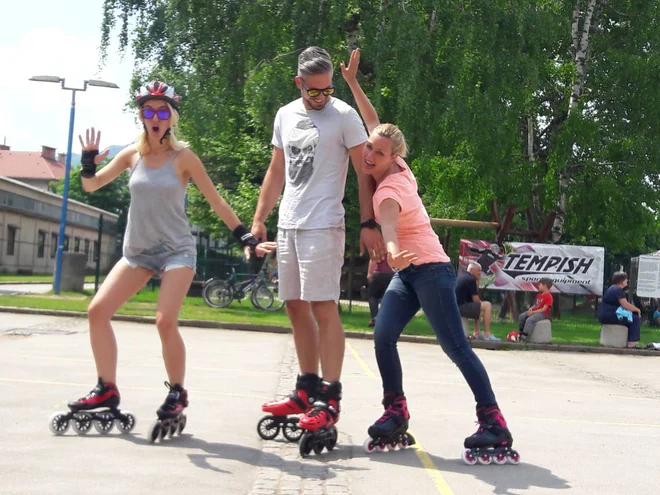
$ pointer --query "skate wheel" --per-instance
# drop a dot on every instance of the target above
(154, 431)
(468, 457)
(381, 446)
(410, 440)
(268, 428)
(513, 457)
(173, 427)
(500, 458)
(291, 431)
(368, 445)
(306, 443)
(58, 424)
(484, 458)
(82, 423)
(182, 423)
(164, 428)
(332, 441)
(392, 446)
(127, 424)
(104, 422)
(317, 446)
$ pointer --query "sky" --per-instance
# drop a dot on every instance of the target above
(60, 38)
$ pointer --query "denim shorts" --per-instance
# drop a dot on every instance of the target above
(161, 259)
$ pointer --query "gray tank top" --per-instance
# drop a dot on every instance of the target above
(157, 216)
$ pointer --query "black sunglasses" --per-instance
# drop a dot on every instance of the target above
(313, 92)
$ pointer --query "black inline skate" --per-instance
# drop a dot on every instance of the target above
(99, 408)
(171, 419)
(280, 411)
(390, 431)
(491, 442)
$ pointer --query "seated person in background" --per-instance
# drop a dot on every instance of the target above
(613, 299)
(654, 311)
(656, 318)
(379, 275)
(469, 304)
(539, 311)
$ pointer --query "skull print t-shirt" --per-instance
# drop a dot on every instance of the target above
(315, 144)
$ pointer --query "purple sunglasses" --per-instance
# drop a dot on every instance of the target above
(163, 114)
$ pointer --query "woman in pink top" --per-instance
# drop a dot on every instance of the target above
(424, 279)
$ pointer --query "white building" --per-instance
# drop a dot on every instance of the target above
(30, 224)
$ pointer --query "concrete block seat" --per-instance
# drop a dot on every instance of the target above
(614, 335)
(468, 325)
(542, 333)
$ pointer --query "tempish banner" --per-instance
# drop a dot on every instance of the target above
(520, 265)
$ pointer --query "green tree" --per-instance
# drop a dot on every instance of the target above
(551, 105)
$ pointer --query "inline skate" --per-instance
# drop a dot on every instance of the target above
(391, 429)
(491, 442)
(171, 419)
(99, 408)
(280, 412)
(319, 421)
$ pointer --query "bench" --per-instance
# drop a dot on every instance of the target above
(614, 335)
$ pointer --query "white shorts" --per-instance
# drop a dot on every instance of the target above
(309, 263)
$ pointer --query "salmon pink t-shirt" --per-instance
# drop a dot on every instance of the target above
(414, 230)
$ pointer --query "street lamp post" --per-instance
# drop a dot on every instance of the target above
(65, 196)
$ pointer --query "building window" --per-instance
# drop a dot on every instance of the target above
(87, 250)
(76, 244)
(11, 239)
(53, 244)
(41, 244)
(66, 243)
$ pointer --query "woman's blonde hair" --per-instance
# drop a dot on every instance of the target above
(392, 132)
(142, 140)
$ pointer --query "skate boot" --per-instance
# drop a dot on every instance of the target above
(391, 429)
(492, 441)
(279, 418)
(319, 421)
(171, 419)
(99, 408)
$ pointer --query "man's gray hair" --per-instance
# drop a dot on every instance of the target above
(313, 61)
(473, 265)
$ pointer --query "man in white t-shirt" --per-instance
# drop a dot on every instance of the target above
(313, 138)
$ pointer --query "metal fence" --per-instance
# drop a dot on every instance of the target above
(36, 254)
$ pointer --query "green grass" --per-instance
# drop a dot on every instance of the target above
(572, 328)
(46, 279)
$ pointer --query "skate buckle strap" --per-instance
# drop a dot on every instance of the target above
(321, 407)
(299, 402)
(390, 412)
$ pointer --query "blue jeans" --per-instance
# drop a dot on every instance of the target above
(431, 287)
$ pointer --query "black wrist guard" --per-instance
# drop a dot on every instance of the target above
(369, 224)
(88, 166)
(245, 237)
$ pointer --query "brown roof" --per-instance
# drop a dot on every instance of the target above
(29, 165)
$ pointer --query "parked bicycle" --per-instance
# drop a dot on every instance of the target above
(264, 291)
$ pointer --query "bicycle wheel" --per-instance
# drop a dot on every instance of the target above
(218, 294)
(264, 296)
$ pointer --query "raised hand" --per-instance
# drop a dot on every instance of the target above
(91, 144)
(401, 260)
(350, 73)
